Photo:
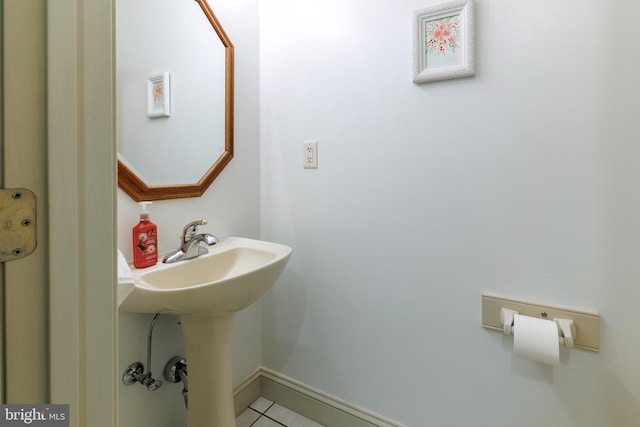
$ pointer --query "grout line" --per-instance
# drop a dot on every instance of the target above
(274, 420)
(266, 416)
(265, 411)
(259, 415)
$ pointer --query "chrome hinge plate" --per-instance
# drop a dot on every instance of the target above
(17, 223)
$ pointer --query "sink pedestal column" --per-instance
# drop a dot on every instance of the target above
(207, 343)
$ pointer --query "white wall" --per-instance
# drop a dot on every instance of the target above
(231, 205)
(521, 181)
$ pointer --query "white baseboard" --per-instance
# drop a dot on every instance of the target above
(321, 407)
(245, 393)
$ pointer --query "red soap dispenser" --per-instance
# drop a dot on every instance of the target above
(145, 240)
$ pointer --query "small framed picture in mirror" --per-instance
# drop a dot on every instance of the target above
(159, 95)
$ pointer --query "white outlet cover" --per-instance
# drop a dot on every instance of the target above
(310, 154)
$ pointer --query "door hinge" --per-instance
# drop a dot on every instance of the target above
(17, 223)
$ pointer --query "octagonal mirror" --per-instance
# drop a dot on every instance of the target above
(174, 83)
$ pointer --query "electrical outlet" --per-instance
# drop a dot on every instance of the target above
(310, 154)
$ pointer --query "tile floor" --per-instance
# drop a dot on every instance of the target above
(265, 413)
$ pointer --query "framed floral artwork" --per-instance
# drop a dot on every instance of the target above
(159, 95)
(443, 42)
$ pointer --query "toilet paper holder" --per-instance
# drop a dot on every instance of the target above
(585, 332)
(566, 327)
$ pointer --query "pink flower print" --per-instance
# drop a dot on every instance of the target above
(157, 92)
(442, 35)
(442, 32)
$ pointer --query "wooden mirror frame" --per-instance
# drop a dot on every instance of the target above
(139, 190)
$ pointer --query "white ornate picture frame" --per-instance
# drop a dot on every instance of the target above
(159, 95)
(444, 42)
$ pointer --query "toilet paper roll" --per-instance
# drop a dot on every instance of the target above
(536, 339)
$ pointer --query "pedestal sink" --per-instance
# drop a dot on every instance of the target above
(206, 292)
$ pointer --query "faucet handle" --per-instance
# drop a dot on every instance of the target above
(191, 229)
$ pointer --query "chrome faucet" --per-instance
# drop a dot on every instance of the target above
(190, 243)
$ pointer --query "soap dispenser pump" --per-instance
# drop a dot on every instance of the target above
(145, 240)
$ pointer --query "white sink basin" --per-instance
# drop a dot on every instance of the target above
(206, 292)
(235, 273)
